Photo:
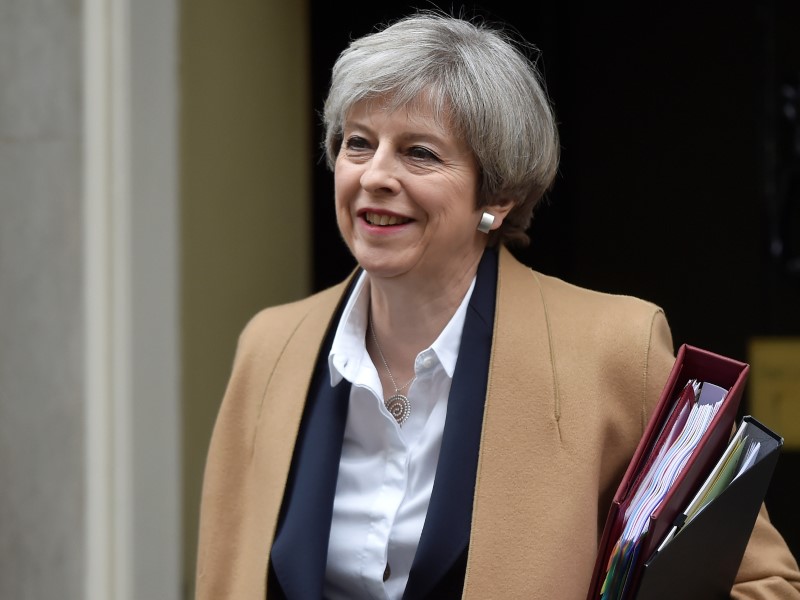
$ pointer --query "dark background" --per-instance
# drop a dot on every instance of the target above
(680, 173)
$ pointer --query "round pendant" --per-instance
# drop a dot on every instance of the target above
(399, 407)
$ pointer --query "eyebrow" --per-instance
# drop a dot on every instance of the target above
(405, 136)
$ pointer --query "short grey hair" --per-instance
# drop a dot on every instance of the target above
(484, 84)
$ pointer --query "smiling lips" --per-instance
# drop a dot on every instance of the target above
(384, 220)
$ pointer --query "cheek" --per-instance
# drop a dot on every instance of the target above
(346, 184)
(342, 211)
(343, 204)
(339, 193)
(344, 224)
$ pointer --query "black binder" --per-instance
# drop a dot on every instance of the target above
(701, 562)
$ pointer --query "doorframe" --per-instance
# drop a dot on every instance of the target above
(131, 300)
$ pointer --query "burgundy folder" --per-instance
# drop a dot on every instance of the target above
(691, 363)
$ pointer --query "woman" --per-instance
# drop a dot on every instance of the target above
(447, 421)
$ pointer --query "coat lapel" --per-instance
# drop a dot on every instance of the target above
(305, 520)
(279, 424)
(308, 503)
(447, 525)
(521, 449)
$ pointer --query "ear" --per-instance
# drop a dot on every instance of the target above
(499, 210)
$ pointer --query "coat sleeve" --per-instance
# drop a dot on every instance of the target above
(768, 570)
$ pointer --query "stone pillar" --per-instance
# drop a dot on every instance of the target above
(89, 371)
(41, 305)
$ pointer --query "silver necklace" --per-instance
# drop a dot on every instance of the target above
(398, 405)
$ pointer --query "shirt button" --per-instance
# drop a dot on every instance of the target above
(427, 362)
(387, 572)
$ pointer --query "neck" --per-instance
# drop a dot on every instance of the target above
(408, 316)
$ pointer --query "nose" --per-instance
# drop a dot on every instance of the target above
(380, 173)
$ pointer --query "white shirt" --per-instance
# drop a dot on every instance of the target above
(386, 471)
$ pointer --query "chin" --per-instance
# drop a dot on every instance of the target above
(381, 269)
(381, 266)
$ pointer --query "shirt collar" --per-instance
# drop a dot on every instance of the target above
(348, 349)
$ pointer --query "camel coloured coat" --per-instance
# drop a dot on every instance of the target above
(573, 377)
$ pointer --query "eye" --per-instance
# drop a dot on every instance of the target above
(356, 142)
(422, 153)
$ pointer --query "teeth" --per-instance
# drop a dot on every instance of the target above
(382, 220)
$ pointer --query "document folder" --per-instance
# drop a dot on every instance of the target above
(719, 533)
(650, 567)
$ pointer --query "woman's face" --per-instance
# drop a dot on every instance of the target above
(406, 191)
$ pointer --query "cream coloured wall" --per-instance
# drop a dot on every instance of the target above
(245, 195)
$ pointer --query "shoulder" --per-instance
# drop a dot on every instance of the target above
(625, 335)
(575, 310)
(582, 306)
(267, 334)
(265, 342)
(279, 322)
(595, 338)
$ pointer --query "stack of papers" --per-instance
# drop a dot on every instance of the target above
(730, 465)
(696, 409)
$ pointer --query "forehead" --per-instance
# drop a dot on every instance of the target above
(423, 111)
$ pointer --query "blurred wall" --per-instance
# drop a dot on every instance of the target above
(246, 184)
(41, 324)
(85, 259)
(87, 268)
